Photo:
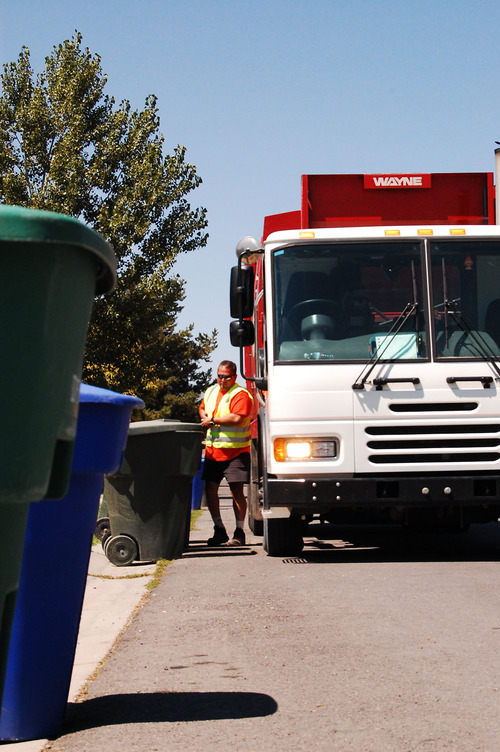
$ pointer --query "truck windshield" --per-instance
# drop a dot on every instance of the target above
(466, 297)
(350, 301)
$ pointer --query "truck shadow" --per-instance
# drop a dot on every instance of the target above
(165, 707)
(379, 543)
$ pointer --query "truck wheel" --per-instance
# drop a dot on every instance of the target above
(282, 537)
(121, 550)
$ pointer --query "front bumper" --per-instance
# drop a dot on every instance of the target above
(322, 494)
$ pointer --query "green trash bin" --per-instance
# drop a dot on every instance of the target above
(52, 268)
(149, 499)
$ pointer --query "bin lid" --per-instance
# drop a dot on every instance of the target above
(95, 394)
(163, 424)
(19, 224)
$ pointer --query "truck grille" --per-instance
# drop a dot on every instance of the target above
(433, 444)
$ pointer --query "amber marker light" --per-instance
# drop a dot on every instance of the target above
(279, 450)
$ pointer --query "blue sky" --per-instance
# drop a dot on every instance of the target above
(262, 92)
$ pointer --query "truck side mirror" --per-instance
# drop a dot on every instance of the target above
(241, 292)
(241, 333)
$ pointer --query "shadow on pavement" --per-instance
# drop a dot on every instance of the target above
(165, 707)
(348, 544)
(205, 551)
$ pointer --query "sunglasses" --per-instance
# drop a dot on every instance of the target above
(224, 378)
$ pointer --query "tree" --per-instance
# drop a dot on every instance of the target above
(66, 146)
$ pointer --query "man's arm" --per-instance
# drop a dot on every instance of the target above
(241, 407)
(205, 420)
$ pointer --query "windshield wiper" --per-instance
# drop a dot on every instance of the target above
(451, 308)
(483, 348)
(445, 303)
(415, 304)
(410, 309)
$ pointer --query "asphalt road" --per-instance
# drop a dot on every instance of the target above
(373, 639)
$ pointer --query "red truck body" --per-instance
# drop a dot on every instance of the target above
(385, 199)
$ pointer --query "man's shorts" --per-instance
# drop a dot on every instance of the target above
(236, 470)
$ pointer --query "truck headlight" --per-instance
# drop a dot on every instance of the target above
(288, 450)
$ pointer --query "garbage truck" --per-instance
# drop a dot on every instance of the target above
(368, 323)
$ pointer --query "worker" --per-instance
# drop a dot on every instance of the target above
(225, 413)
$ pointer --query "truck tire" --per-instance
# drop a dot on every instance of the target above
(283, 537)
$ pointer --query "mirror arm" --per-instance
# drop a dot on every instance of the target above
(250, 257)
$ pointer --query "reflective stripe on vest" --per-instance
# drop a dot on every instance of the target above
(228, 436)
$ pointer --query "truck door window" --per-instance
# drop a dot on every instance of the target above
(338, 301)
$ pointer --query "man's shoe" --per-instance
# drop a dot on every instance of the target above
(219, 537)
(238, 538)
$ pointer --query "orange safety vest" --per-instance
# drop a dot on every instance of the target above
(229, 436)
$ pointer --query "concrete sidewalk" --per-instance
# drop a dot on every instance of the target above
(111, 596)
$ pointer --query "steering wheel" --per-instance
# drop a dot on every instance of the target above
(308, 307)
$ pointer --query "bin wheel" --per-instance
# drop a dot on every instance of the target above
(101, 527)
(105, 538)
(121, 550)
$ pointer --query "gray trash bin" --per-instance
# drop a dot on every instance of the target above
(149, 499)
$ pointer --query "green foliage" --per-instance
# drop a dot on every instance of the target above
(66, 146)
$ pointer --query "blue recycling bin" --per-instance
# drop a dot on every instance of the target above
(197, 490)
(54, 573)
